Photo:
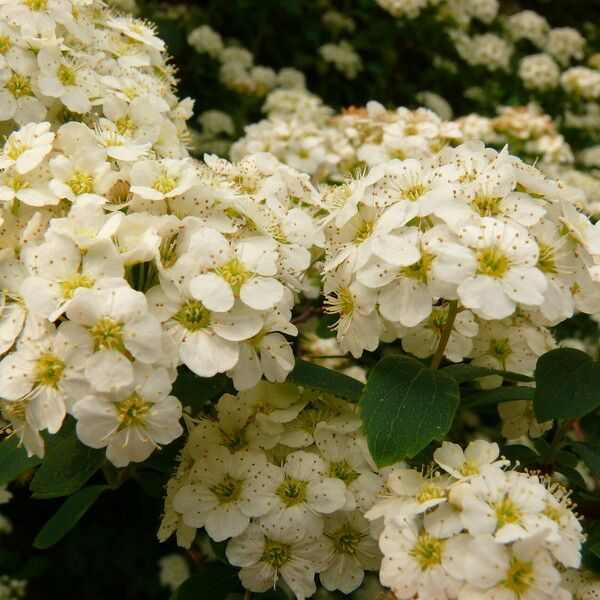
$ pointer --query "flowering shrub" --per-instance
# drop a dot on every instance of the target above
(355, 357)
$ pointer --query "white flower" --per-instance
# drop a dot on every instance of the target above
(268, 553)
(495, 269)
(132, 422)
(522, 572)
(208, 342)
(44, 377)
(137, 30)
(423, 339)
(60, 77)
(463, 465)
(220, 496)
(244, 270)
(83, 176)
(161, 179)
(349, 551)
(509, 506)
(518, 419)
(119, 326)
(57, 268)
(300, 492)
(27, 147)
(408, 493)
(415, 562)
(174, 570)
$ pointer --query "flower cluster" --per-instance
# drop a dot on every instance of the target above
(122, 264)
(471, 239)
(303, 133)
(475, 530)
(283, 473)
(237, 70)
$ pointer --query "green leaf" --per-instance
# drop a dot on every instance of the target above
(405, 406)
(14, 460)
(502, 394)
(195, 391)
(567, 384)
(516, 452)
(461, 373)
(216, 583)
(319, 378)
(67, 516)
(590, 455)
(67, 466)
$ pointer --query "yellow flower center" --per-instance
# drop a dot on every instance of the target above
(69, 286)
(345, 301)
(193, 315)
(81, 182)
(546, 262)
(519, 577)
(414, 192)
(500, 349)
(15, 410)
(234, 273)
(5, 44)
(66, 75)
(429, 491)
(49, 370)
(492, 261)
(14, 149)
(486, 206)
(19, 85)
(470, 467)
(37, 5)
(428, 551)
(228, 490)
(345, 540)
(125, 125)
(420, 269)
(16, 182)
(107, 334)
(132, 411)
(364, 231)
(342, 470)
(165, 183)
(507, 512)
(292, 492)
(276, 553)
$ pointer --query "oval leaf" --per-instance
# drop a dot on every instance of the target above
(590, 455)
(567, 384)
(14, 460)
(461, 373)
(404, 407)
(67, 516)
(67, 466)
(319, 378)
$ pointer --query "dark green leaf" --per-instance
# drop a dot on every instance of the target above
(590, 455)
(66, 517)
(567, 459)
(219, 549)
(515, 452)
(567, 384)
(196, 391)
(501, 394)
(67, 466)
(461, 373)
(215, 583)
(14, 460)
(319, 378)
(405, 406)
